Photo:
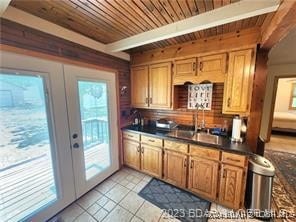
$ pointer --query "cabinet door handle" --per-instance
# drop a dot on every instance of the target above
(194, 66)
(150, 100)
(200, 66)
(231, 159)
(185, 163)
(142, 149)
(228, 102)
(224, 173)
(191, 165)
(146, 100)
(138, 149)
(151, 140)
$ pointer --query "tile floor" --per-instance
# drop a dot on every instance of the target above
(116, 199)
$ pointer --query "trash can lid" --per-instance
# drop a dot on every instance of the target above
(261, 165)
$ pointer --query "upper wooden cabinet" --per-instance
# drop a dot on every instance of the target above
(212, 68)
(160, 85)
(196, 70)
(238, 83)
(185, 70)
(152, 86)
(139, 89)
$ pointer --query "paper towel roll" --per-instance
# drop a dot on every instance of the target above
(236, 128)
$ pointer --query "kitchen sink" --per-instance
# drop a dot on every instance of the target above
(199, 137)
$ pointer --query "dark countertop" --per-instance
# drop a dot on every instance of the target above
(227, 145)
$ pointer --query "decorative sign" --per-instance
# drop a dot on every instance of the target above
(200, 96)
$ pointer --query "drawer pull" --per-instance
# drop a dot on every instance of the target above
(231, 159)
(151, 140)
(130, 136)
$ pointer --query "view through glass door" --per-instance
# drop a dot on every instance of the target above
(27, 178)
(91, 100)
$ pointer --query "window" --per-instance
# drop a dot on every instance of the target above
(293, 97)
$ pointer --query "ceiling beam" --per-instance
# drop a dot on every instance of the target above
(26, 19)
(281, 24)
(223, 15)
(3, 6)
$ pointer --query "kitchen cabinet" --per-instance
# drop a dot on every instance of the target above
(238, 83)
(203, 177)
(185, 70)
(131, 153)
(151, 160)
(212, 68)
(160, 86)
(232, 183)
(139, 89)
(152, 86)
(175, 168)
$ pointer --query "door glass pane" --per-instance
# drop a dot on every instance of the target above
(95, 126)
(27, 181)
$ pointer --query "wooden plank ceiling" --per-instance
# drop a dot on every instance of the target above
(108, 21)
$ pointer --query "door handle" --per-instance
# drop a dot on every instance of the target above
(228, 102)
(142, 149)
(75, 135)
(191, 165)
(76, 145)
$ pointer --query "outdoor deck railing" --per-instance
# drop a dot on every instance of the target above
(94, 131)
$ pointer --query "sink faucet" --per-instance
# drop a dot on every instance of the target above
(203, 123)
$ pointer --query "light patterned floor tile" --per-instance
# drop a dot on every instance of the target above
(85, 217)
(103, 200)
(132, 202)
(89, 199)
(149, 212)
(70, 213)
(140, 186)
(105, 186)
(109, 205)
(101, 214)
(93, 209)
(117, 193)
(136, 219)
(118, 214)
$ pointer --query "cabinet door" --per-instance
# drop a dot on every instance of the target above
(203, 177)
(231, 186)
(151, 160)
(185, 70)
(238, 83)
(139, 87)
(131, 153)
(160, 86)
(175, 168)
(212, 68)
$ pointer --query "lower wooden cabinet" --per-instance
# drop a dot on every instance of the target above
(131, 153)
(232, 183)
(175, 168)
(203, 177)
(151, 160)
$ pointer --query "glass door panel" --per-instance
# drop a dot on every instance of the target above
(27, 181)
(95, 126)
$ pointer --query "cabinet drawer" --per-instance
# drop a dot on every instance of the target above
(234, 159)
(204, 152)
(131, 136)
(151, 140)
(176, 146)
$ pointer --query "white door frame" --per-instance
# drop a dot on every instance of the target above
(72, 75)
(61, 152)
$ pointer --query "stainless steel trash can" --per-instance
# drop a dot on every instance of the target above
(259, 184)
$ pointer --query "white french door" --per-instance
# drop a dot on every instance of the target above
(58, 135)
(91, 102)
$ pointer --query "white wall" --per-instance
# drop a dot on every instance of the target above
(281, 64)
(283, 94)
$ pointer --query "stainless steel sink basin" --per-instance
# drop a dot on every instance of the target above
(208, 138)
(199, 137)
